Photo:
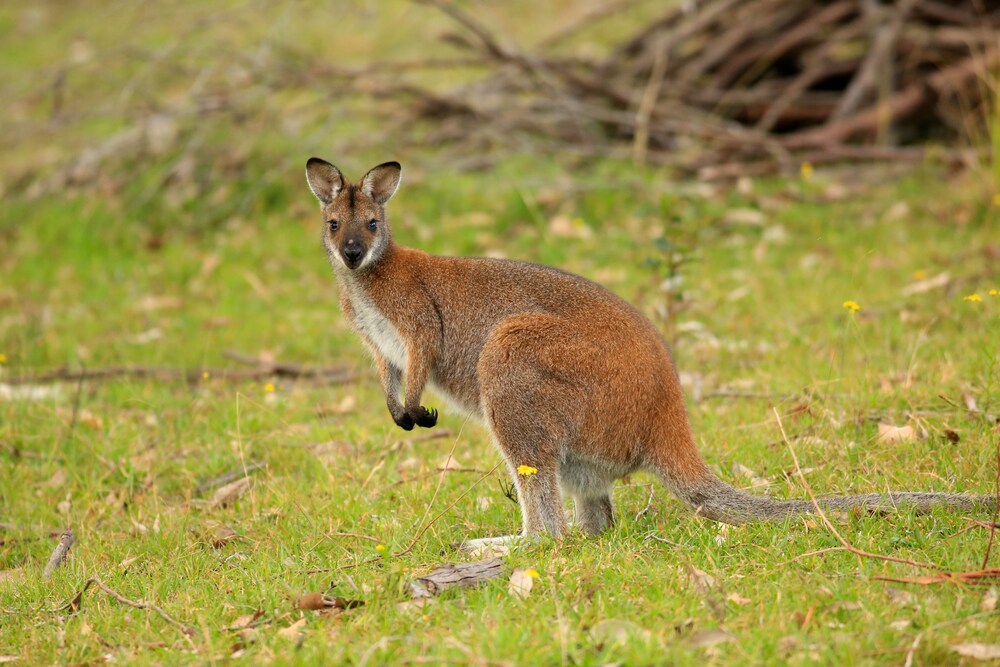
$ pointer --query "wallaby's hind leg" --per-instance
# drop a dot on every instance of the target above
(594, 514)
(590, 485)
(531, 412)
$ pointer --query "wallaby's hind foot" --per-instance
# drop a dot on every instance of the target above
(594, 515)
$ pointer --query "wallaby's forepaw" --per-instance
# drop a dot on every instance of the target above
(403, 421)
(424, 417)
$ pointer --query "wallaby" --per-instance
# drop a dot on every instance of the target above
(569, 379)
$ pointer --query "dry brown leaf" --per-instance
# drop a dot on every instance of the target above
(484, 551)
(989, 601)
(228, 494)
(702, 581)
(940, 280)
(521, 581)
(616, 631)
(756, 481)
(978, 651)
(13, 575)
(313, 601)
(222, 534)
(890, 433)
(293, 632)
(8, 658)
(58, 479)
(705, 638)
(450, 463)
(244, 621)
(738, 599)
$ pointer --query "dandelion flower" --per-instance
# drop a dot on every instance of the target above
(852, 306)
(972, 297)
(993, 292)
(3, 358)
(269, 388)
(524, 471)
(806, 170)
(919, 275)
(533, 573)
(204, 375)
(380, 548)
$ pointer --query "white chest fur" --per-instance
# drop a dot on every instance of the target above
(376, 327)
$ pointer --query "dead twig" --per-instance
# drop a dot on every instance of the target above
(861, 553)
(59, 554)
(230, 476)
(332, 375)
(996, 511)
(77, 601)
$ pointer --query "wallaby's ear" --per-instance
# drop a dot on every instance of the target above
(381, 182)
(324, 179)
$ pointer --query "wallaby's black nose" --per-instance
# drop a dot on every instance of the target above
(352, 253)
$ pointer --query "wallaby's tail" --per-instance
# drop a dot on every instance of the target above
(713, 498)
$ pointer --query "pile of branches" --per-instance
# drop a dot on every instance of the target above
(729, 87)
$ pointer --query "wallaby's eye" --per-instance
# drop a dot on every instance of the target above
(372, 225)
(333, 225)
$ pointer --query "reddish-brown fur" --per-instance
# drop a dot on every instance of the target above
(570, 379)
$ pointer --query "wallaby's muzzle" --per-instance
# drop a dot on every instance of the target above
(353, 253)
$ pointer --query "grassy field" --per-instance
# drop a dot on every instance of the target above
(143, 265)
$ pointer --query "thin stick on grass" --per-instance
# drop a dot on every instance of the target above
(59, 553)
(996, 511)
(822, 515)
(77, 600)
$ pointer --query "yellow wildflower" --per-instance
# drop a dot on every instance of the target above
(993, 292)
(204, 375)
(806, 170)
(919, 275)
(533, 573)
(852, 306)
(526, 470)
(269, 388)
(996, 199)
(380, 548)
(3, 358)
(972, 297)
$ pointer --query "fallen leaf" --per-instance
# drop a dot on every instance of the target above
(8, 658)
(450, 463)
(12, 575)
(901, 624)
(705, 638)
(222, 534)
(244, 621)
(922, 286)
(58, 479)
(293, 632)
(738, 599)
(520, 583)
(312, 601)
(616, 631)
(227, 494)
(890, 433)
(702, 581)
(756, 481)
(899, 597)
(989, 601)
(484, 551)
(28, 392)
(978, 651)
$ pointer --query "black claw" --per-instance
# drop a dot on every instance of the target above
(426, 418)
(404, 422)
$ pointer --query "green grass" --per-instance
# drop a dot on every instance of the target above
(87, 276)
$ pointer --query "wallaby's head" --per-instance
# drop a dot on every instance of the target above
(355, 232)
